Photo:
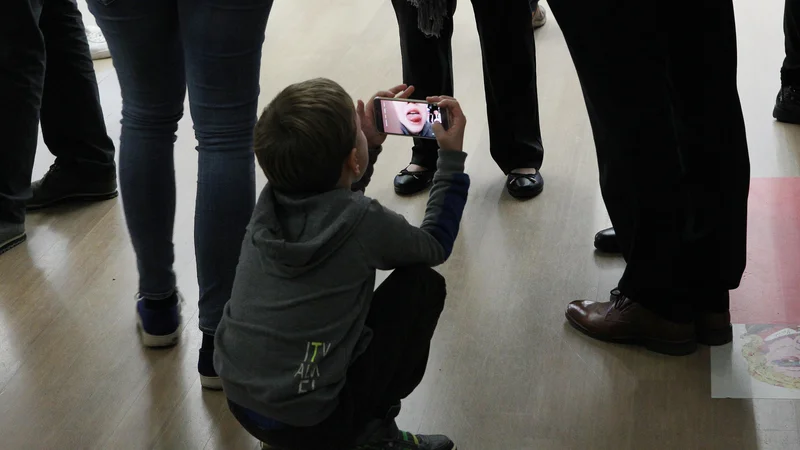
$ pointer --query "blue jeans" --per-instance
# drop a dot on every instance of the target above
(159, 48)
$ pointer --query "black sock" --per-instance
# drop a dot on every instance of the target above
(208, 342)
(161, 304)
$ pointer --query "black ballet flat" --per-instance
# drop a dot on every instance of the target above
(606, 241)
(525, 185)
(410, 183)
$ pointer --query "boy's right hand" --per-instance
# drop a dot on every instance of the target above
(453, 137)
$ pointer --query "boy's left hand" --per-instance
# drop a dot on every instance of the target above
(366, 112)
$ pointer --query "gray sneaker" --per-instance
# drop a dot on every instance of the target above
(11, 235)
(539, 17)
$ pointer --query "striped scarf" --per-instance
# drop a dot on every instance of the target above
(430, 16)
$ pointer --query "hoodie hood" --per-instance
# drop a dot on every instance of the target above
(293, 234)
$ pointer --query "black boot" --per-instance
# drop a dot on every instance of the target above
(787, 105)
(60, 185)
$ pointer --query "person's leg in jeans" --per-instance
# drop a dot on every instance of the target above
(144, 40)
(509, 70)
(72, 120)
(222, 42)
(22, 66)
(428, 66)
(403, 316)
(787, 105)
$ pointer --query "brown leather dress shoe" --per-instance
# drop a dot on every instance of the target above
(714, 328)
(624, 321)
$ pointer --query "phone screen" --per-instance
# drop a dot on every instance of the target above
(412, 118)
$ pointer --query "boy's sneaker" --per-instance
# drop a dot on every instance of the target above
(403, 440)
(11, 235)
(208, 375)
(159, 326)
(539, 17)
(787, 105)
(60, 185)
(97, 43)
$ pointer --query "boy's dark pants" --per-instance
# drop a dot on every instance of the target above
(403, 316)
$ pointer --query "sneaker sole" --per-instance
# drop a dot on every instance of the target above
(73, 198)
(782, 115)
(156, 341)
(211, 383)
(13, 242)
(664, 348)
(104, 54)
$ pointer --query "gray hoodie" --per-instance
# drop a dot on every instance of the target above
(295, 320)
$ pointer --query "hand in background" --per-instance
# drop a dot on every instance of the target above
(366, 112)
(453, 137)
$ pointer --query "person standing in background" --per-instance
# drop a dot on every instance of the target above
(159, 49)
(46, 74)
(787, 105)
(509, 62)
(674, 167)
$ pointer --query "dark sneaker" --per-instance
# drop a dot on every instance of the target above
(787, 105)
(159, 327)
(11, 235)
(205, 367)
(410, 183)
(60, 185)
(403, 440)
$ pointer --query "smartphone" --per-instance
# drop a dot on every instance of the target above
(404, 117)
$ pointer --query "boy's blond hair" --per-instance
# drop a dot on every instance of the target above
(304, 135)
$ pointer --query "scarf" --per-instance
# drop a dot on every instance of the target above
(430, 15)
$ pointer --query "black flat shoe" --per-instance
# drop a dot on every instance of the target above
(606, 241)
(787, 105)
(410, 183)
(525, 185)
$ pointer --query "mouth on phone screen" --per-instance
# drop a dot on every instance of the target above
(414, 117)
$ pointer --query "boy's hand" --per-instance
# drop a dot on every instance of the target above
(366, 112)
(453, 137)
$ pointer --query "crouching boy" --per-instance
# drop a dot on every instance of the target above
(309, 356)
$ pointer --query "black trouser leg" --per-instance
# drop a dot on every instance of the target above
(22, 66)
(509, 71)
(790, 72)
(713, 149)
(73, 125)
(427, 65)
(667, 154)
(403, 316)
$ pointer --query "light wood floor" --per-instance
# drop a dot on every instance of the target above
(505, 372)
